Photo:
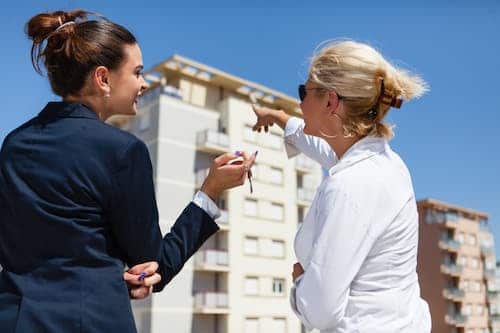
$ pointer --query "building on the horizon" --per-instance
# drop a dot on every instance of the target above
(240, 280)
(457, 268)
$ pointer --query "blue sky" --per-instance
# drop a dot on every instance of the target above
(447, 138)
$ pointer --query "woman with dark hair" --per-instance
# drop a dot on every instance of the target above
(77, 198)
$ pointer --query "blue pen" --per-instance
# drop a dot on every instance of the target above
(142, 276)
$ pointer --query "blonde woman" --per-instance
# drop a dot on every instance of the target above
(357, 247)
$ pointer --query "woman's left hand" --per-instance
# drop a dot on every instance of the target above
(297, 271)
(141, 278)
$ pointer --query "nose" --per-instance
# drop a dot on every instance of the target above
(144, 84)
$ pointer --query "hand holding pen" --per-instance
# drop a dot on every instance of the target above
(240, 160)
(227, 171)
(141, 278)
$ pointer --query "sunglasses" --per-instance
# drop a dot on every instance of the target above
(303, 91)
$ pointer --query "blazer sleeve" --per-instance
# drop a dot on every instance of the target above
(135, 223)
(297, 142)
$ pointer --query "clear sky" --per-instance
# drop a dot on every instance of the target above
(447, 138)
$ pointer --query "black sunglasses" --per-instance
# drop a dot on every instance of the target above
(303, 91)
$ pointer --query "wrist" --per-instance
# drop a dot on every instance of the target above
(210, 191)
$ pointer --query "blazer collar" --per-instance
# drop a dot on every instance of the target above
(361, 150)
(67, 110)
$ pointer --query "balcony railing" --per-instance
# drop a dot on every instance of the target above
(452, 269)
(494, 318)
(212, 259)
(456, 319)
(212, 142)
(211, 300)
(492, 295)
(304, 163)
(453, 293)
(449, 244)
(305, 194)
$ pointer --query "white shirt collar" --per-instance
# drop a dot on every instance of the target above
(361, 150)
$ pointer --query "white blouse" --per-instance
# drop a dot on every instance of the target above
(358, 242)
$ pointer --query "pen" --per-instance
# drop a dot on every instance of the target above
(250, 173)
(142, 276)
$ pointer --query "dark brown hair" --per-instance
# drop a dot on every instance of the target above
(71, 52)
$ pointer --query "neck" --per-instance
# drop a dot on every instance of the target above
(90, 102)
(341, 144)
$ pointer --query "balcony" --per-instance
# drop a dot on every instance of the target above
(212, 142)
(449, 244)
(494, 319)
(456, 319)
(453, 294)
(212, 260)
(452, 269)
(492, 296)
(305, 195)
(211, 303)
(304, 163)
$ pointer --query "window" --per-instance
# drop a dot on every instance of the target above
(251, 245)
(250, 207)
(279, 325)
(490, 264)
(474, 263)
(278, 287)
(471, 239)
(277, 249)
(301, 214)
(464, 285)
(462, 261)
(251, 285)
(460, 238)
(251, 325)
(466, 309)
(276, 176)
(276, 211)
(478, 310)
(475, 286)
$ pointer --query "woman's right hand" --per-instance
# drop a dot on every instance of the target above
(222, 176)
(267, 117)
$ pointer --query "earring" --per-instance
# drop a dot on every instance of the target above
(326, 135)
(107, 95)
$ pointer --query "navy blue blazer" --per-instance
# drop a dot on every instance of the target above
(77, 202)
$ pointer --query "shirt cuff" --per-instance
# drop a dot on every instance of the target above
(293, 304)
(202, 200)
(293, 125)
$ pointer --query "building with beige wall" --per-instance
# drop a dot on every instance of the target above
(239, 281)
(457, 268)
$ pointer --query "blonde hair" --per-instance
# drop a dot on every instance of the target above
(357, 72)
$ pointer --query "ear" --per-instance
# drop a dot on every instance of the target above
(100, 78)
(333, 102)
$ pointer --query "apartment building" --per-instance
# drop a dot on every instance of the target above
(457, 268)
(240, 280)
